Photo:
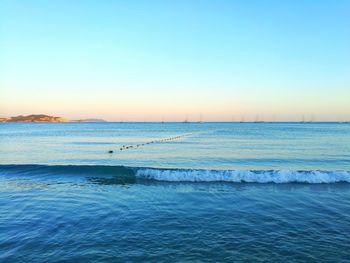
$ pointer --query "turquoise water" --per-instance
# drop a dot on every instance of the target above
(220, 192)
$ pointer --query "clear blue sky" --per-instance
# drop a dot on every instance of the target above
(147, 60)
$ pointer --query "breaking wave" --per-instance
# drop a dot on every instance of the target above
(244, 176)
(182, 175)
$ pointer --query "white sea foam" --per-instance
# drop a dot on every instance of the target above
(240, 176)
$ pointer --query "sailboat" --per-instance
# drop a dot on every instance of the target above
(257, 119)
(186, 120)
(200, 119)
(312, 119)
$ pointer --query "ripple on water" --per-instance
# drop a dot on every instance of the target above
(159, 221)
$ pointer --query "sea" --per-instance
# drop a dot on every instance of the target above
(175, 192)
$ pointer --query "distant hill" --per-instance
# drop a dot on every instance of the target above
(34, 118)
(45, 118)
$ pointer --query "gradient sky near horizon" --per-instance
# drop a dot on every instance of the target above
(148, 60)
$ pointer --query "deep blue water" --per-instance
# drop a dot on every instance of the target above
(258, 192)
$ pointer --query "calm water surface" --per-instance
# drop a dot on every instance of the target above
(258, 192)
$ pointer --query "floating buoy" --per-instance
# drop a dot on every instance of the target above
(124, 147)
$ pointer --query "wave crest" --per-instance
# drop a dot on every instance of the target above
(244, 176)
(181, 175)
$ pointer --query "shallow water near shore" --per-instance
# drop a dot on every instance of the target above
(224, 192)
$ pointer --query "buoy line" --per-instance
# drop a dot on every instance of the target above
(127, 147)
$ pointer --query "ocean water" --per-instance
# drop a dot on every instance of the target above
(174, 192)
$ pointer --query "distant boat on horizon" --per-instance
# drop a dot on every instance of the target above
(312, 119)
(200, 119)
(257, 120)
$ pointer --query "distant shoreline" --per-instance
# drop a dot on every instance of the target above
(44, 119)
